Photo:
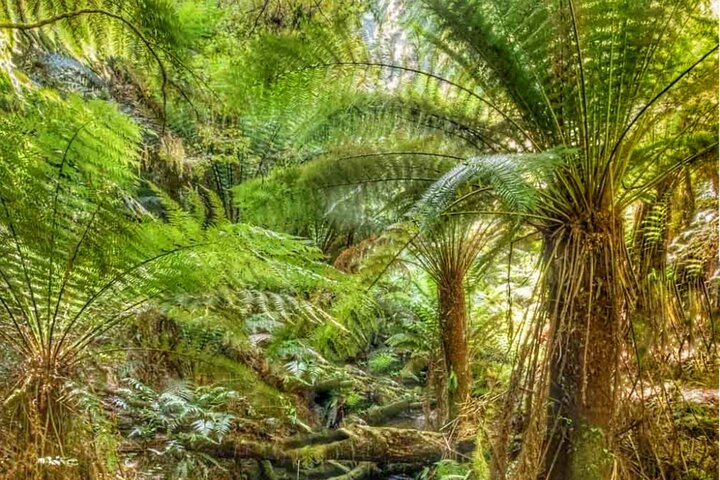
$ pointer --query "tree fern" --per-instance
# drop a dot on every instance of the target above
(601, 81)
(80, 256)
(155, 37)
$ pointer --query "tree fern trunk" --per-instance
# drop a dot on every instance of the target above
(587, 306)
(453, 320)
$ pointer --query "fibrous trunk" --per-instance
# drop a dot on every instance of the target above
(453, 323)
(586, 307)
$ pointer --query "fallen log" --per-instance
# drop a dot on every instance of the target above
(315, 438)
(356, 443)
(380, 415)
(383, 446)
(332, 383)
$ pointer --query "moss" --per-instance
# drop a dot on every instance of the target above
(697, 420)
(309, 456)
(450, 469)
(480, 462)
(591, 460)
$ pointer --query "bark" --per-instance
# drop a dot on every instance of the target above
(587, 307)
(453, 322)
(437, 385)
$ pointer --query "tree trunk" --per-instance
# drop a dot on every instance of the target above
(453, 326)
(587, 306)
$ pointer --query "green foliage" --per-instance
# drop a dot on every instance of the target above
(184, 417)
(81, 256)
(382, 362)
(416, 336)
(155, 36)
(280, 203)
(175, 411)
(66, 170)
(447, 470)
(410, 144)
